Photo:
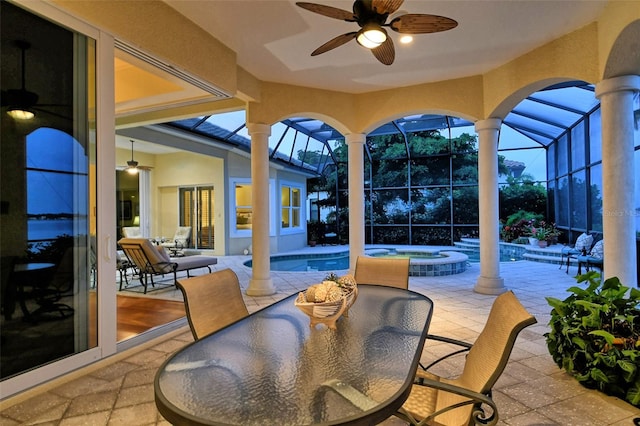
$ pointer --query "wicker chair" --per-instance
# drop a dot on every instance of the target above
(212, 301)
(462, 401)
(381, 271)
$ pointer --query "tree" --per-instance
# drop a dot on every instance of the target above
(522, 193)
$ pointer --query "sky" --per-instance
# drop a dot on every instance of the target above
(51, 192)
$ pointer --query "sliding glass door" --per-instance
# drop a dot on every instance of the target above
(196, 210)
(48, 172)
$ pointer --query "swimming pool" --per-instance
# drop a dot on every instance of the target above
(424, 261)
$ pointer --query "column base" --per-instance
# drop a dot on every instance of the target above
(260, 287)
(487, 285)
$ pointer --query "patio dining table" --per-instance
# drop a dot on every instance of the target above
(273, 368)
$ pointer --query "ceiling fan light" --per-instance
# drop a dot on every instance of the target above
(20, 114)
(371, 36)
(132, 170)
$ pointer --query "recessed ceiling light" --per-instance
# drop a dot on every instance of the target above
(406, 39)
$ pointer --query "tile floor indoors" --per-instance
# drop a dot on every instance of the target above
(532, 390)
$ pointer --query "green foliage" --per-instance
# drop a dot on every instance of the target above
(522, 194)
(595, 336)
(518, 225)
(410, 186)
(314, 230)
(522, 215)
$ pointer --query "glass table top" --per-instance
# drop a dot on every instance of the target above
(273, 368)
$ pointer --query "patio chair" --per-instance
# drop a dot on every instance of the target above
(381, 271)
(582, 246)
(212, 301)
(179, 242)
(463, 400)
(49, 292)
(595, 258)
(152, 260)
(131, 232)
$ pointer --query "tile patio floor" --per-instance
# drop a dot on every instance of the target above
(532, 390)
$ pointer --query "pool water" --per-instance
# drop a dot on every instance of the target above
(308, 262)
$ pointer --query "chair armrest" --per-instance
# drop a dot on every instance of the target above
(465, 348)
(478, 399)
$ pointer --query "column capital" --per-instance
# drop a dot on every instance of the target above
(488, 124)
(618, 84)
(258, 128)
(355, 138)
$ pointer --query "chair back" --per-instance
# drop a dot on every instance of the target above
(147, 258)
(131, 232)
(182, 235)
(212, 301)
(392, 272)
(489, 355)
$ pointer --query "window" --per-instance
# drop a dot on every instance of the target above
(243, 210)
(290, 207)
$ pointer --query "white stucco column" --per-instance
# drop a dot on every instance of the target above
(489, 281)
(618, 188)
(260, 283)
(355, 146)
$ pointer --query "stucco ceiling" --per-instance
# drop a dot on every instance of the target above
(273, 39)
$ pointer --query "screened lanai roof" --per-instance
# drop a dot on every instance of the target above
(308, 144)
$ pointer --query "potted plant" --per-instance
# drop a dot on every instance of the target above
(540, 234)
(595, 336)
(314, 229)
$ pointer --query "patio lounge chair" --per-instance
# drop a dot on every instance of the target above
(152, 260)
(179, 242)
(131, 232)
(212, 301)
(460, 401)
(380, 271)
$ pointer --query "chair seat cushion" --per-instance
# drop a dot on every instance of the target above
(590, 259)
(192, 262)
(425, 400)
(422, 399)
(569, 250)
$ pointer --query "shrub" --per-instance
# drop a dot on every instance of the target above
(595, 336)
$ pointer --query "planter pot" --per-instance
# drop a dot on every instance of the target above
(533, 241)
(542, 243)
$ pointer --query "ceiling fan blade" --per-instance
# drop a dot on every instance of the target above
(386, 7)
(385, 53)
(329, 11)
(334, 42)
(417, 23)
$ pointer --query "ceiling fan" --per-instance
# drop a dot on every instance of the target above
(132, 165)
(371, 16)
(21, 103)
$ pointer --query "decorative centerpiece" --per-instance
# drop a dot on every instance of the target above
(327, 301)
